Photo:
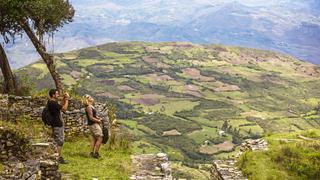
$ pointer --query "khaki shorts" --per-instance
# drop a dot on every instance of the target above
(58, 135)
(96, 130)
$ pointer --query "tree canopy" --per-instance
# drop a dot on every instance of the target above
(44, 16)
(36, 18)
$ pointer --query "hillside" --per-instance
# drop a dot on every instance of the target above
(290, 156)
(176, 96)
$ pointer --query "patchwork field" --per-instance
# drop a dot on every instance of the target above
(192, 101)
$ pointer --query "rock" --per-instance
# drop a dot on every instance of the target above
(151, 166)
(161, 155)
(9, 144)
(19, 166)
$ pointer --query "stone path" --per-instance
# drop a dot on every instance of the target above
(151, 167)
(227, 169)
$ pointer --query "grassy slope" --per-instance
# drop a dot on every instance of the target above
(114, 164)
(289, 157)
(193, 88)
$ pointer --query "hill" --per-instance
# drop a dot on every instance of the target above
(290, 26)
(194, 102)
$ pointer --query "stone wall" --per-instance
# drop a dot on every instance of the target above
(74, 119)
(151, 166)
(11, 143)
(227, 170)
(22, 160)
(49, 170)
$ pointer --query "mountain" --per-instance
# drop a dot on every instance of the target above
(194, 102)
(288, 26)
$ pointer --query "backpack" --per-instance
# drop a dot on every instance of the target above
(46, 116)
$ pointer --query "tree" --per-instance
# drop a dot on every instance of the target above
(10, 83)
(38, 18)
(8, 29)
(225, 125)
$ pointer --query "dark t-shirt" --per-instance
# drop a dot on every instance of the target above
(55, 110)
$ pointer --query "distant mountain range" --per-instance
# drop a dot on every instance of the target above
(289, 26)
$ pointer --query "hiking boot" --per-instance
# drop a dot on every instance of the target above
(92, 154)
(62, 161)
(96, 155)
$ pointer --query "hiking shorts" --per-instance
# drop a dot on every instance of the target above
(58, 135)
(96, 130)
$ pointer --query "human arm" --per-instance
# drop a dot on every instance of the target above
(90, 115)
(65, 102)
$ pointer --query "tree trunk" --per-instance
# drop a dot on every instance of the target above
(10, 86)
(47, 58)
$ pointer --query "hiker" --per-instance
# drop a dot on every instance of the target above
(57, 123)
(95, 126)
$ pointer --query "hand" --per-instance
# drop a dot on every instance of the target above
(66, 95)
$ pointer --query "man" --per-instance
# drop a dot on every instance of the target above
(57, 124)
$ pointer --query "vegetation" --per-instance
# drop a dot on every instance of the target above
(192, 90)
(288, 157)
(32, 18)
(114, 164)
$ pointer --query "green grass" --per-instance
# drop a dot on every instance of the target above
(288, 157)
(42, 68)
(25, 127)
(113, 164)
(172, 106)
(144, 147)
(68, 80)
(206, 133)
(87, 62)
(259, 166)
(183, 172)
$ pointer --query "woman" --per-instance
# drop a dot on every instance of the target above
(94, 123)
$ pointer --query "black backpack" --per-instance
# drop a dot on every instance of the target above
(46, 116)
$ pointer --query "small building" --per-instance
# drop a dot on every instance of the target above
(206, 143)
(221, 133)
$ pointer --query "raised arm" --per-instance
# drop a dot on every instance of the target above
(65, 103)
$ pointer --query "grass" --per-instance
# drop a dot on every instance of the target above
(173, 105)
(113, 164)
(42, 68)
(35, 131)
(83, 63)
(206, 133)
(294, 159)
(144, 147)
(68, 80)
(184, 172)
